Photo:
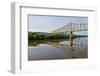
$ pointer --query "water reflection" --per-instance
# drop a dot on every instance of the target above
(59, 50)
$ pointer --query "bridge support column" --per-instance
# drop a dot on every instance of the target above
(71, 39)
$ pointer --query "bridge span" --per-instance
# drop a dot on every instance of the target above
(71, 27)
(74, 27)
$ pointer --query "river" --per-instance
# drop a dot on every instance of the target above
(59, 50)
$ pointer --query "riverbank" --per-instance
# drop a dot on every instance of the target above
(46, 41)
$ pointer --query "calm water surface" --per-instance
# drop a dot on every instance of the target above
(59, 50)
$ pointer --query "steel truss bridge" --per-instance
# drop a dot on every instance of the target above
(71, 27)
(74, 27)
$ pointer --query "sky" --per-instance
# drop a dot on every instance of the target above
(40, 23)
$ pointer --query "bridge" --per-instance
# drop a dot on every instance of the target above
(71, 27)
(74, 27)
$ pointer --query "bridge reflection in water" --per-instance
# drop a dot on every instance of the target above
(74, 50)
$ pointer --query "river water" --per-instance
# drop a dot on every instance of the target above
(59, 50)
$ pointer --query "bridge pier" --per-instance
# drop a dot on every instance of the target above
(71, 39)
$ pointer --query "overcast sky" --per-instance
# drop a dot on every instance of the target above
(50, 23)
